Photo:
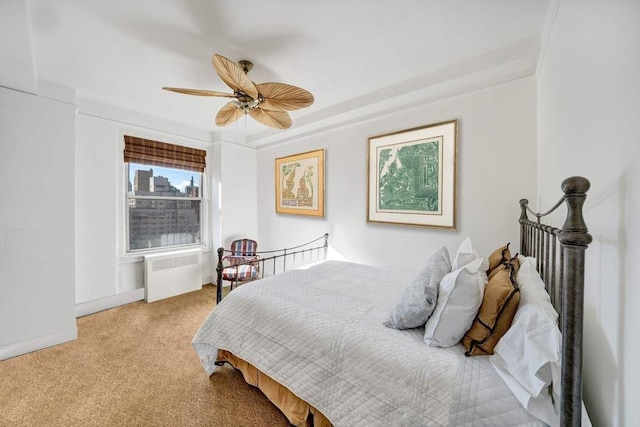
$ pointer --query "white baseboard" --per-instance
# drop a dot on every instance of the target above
(27, 346)
(90, 307)
(83, 309)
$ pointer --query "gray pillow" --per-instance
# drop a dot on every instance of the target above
(419, 297)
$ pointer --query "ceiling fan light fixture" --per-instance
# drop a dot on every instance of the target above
(254, 103)
(246, 105)
(267, 103)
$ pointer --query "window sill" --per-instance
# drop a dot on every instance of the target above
(138, 256)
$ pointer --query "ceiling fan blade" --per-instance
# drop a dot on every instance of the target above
(199, 92)
(281, 97)
(228, 114)
(274, 119)
(234, 76)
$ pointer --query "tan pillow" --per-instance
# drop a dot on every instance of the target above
(498, 257)
(512, 263)
(499, 305)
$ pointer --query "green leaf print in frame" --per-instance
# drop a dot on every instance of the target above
(412, 176)
(409, 177)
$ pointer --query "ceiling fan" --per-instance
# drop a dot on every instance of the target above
(267, 103)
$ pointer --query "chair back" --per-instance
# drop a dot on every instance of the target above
(244, 247)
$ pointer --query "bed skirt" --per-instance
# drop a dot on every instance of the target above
(298, 412)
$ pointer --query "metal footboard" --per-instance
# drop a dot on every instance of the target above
(277, 261)
(560, 255)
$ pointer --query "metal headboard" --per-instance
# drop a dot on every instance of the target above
(560, 261)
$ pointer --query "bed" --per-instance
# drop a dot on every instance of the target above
(313, 340)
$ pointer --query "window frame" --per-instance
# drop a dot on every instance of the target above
(128, 252)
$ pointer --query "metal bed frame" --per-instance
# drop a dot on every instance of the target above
(560, 255)
(306, 253)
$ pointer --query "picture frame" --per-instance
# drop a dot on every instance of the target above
(300, 184)
(412, 176)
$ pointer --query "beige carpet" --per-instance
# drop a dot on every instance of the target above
(131, 366)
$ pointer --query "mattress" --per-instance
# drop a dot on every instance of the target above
(319, 332)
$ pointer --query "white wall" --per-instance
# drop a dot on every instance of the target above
(233, 193)
(96, 214)
(18, 68)
(238, 216)
(588, 115)
(496, 167)
(37, 243)
(62, 229)
(103, 268)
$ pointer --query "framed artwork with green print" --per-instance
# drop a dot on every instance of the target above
(412, 176)
(300, 184)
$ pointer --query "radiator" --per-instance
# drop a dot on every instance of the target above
(172, 273)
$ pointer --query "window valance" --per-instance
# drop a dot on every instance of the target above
(149, 152)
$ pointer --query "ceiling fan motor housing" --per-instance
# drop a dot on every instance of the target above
(245, 65)
(244, 98)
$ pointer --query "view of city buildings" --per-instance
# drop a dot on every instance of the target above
(161, 214)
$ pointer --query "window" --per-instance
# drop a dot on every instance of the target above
(164, 194)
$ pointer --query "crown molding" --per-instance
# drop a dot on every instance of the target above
(90, 107)
(495, 67)
(231, 136)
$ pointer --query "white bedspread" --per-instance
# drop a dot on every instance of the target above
(319, 332)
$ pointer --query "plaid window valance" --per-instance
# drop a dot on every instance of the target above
(149, 152)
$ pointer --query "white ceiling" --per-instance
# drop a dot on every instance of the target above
(351, 54)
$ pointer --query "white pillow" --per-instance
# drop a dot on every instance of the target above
(464, 255)
(418, 300)
(459, 298)
(540, 407)
(528, 356)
